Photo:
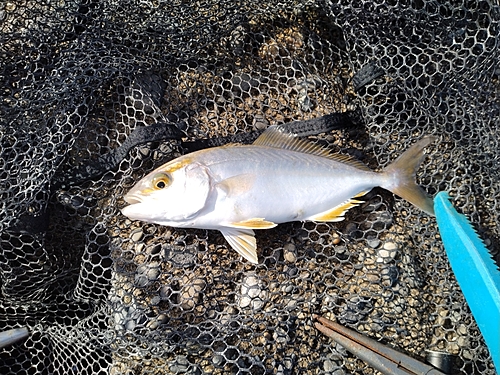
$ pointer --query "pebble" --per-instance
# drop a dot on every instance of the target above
(118, 317)
(289, 363)
(130, 325)
(376, 327)
(463, 342)
(145, 151)
(190, 294)
(390, 275)
(340, 249)
(390, 246)
(387, 253)
(462, 329)
(280, 335)
(453, 347)
(260, 122)
(116, 369)
(467, 354)
(373, 242)
(127, 299)
(281, 370)
(147, 273)
(251, 293)
(165, 291)
(337, 352)
(10, 6)
(291, 271)
(329, 301)
(128, 318)
(397, 307)
(155, 300)
(227, 317)
(218, 360)
(137, 234)
(289, 303)
(328, 365)
(156, 322)
(303, 87)
(290, 251)
(355, 310)
(187, 257)
(181, 364)
(139, 247)
(250, 287)
(287, 288)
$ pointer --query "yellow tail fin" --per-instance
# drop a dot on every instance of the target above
(401, 176)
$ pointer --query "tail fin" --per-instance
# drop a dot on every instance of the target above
(401, 176)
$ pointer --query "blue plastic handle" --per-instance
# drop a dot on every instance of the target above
(475, 271)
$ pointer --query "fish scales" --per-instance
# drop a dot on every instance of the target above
(287, 185)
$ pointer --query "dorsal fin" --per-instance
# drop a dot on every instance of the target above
(276, 138)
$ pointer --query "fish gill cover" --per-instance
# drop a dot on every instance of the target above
(96, 94)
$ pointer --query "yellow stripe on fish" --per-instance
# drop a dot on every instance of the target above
(279, 178)
(255, 223)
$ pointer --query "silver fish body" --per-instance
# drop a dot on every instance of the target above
(276, 185)
(279, 178)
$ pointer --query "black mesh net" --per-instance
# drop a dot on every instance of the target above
(95, 94)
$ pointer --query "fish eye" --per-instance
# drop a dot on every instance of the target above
(161, 181)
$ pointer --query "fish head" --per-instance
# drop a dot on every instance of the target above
(170, 195)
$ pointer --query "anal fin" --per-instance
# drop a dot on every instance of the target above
(337, 213)
(253, 223)
(243, 241)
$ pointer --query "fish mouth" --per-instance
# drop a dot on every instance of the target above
(132, 198)
(134, 209)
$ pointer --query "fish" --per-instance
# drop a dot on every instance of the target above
(279, 178)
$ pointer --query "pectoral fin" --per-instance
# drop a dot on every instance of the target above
(243, 241)
(237, 185)
(254, 223)
(337, 213)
